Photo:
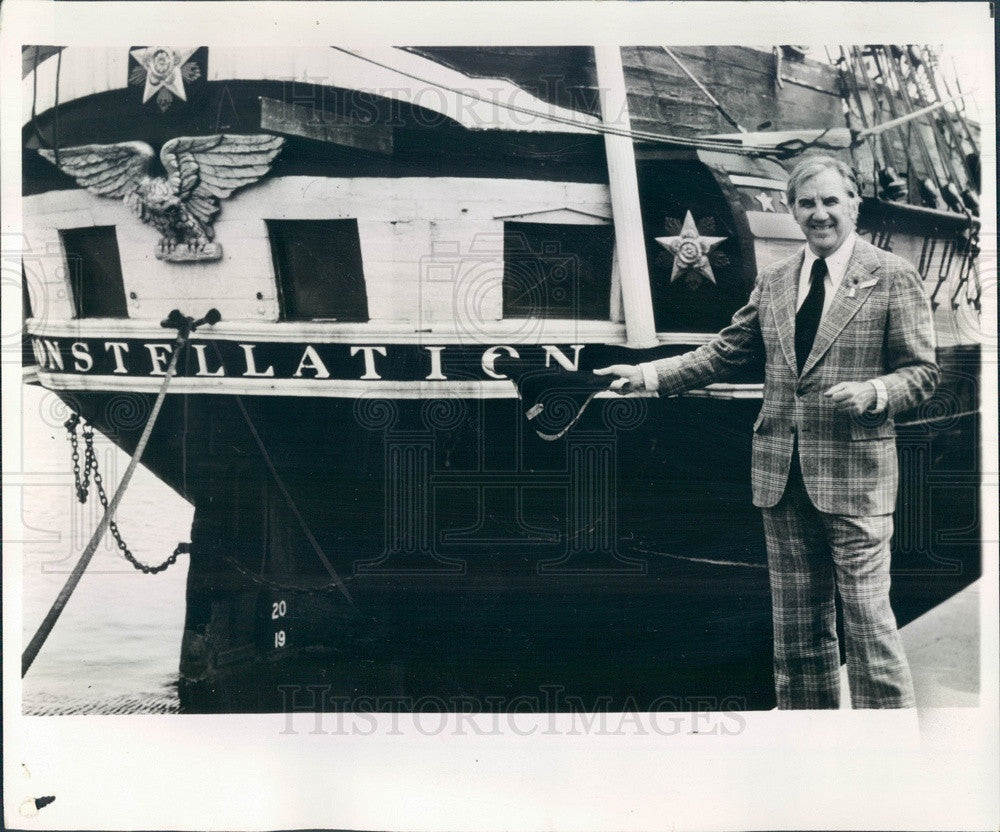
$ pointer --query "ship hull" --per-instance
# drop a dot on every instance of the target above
(405, 554)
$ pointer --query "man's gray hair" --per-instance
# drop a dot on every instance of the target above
(812, 165)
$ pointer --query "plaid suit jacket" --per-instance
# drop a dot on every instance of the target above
(877, 326)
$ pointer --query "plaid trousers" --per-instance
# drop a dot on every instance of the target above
(810, 554)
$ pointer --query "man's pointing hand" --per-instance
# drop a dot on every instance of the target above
(629, 377)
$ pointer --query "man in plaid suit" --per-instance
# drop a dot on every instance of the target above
(846, 334)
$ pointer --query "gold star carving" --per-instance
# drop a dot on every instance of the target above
(690, 250)
(163, 69)
(766, 202)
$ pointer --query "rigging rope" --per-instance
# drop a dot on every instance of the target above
(857, 60)
(185, 326)
(655, 138)
(732, 121)
(31, 651)
(34, 97)
(335, 579)
(55, 110)
(552, 437)
(931, 186)
(930, 70)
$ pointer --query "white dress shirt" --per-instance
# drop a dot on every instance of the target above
(836, 265)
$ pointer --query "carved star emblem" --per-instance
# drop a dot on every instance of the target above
(766, 202)
(163, 69)
(690, 250)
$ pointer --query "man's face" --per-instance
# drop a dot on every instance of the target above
(825, 211)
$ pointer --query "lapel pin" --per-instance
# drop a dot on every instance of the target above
(856, 284)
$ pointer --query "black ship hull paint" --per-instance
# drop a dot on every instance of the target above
(622, 566)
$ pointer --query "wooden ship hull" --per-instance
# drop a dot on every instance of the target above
(376, 519)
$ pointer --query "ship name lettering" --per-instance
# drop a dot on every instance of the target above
(490, 356)
(158, 358)
(118, 348)
(83, 357)
(436, 373)
(370, 374)
(51, 355)
(561, 358)
(203, 362)
(81, 353)
(314, 363)
(39, 351)
(251, 369)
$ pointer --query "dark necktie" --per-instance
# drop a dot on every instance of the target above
(808, 317)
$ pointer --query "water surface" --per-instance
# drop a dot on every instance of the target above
(115, 649)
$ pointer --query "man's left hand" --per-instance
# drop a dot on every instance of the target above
(853, 397)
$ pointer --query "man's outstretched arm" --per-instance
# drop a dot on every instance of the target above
(738, 346)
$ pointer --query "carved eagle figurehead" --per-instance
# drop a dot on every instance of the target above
(201, 171)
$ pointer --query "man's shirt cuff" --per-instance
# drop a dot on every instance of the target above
(881, 395)
(649, 377)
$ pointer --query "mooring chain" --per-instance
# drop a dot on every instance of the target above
(270, 583)
(82, 482)
(90, 471)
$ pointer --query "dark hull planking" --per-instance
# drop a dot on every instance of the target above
(622, 565)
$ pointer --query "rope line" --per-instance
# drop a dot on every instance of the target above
(55, 109)
(552, 437)
(655, 138)
(732, 121)
(291, 503)
(31, 651)
(335, 578)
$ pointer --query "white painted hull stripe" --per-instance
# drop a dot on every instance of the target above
(515, 332)
(335, 388)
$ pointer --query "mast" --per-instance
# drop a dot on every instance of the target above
(960, 114)
(637, 299)
(969, 194)
(893, 186)
(930, 184)
(947, 188)
(952, 192)
(893, 179)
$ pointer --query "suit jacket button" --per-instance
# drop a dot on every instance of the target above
(792, 429)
